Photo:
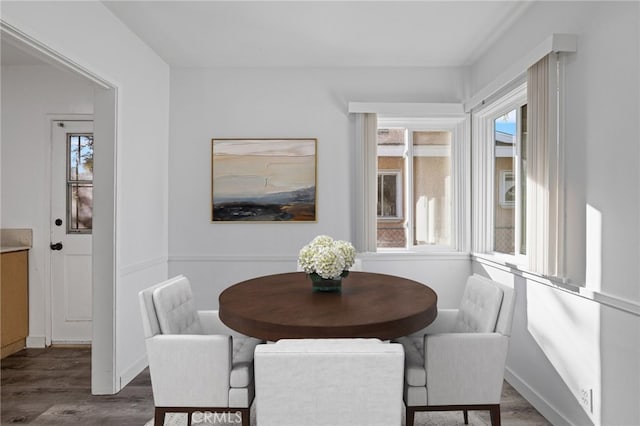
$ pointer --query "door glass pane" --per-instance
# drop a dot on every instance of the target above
(80, 157)
(505, 183)
(391, 228)
(81, 207)
(432, 187)
(79, 183)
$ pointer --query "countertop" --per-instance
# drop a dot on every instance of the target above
(9, 249)
(15, 239)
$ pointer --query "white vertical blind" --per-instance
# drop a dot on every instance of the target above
(537, 167)
(365, 196)
(544, 169)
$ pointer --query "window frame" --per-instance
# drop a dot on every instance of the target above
(483, 156)
(459, 127)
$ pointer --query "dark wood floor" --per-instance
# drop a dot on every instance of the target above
(53, 387)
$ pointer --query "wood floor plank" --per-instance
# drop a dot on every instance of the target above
(53, 386)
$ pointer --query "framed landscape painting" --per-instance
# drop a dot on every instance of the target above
(263, 180)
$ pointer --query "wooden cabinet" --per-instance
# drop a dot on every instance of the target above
(14, 301)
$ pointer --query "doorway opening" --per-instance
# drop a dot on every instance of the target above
(103, 244)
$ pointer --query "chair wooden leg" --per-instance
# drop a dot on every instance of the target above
(409, 416)
(158, 417)
(246, 416)
(494, 412)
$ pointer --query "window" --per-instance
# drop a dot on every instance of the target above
(500, 173)
(510, 206)
(79, 183)
(427, 148)
(415, 189)
(518, 158)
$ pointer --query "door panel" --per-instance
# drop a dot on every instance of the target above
(71, 223)
(78, 272)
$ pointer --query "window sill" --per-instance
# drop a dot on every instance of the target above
(505, 261)
(562, 284)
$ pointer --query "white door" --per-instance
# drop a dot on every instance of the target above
(71, 226)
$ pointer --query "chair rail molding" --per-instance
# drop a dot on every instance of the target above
(629, 306)
(143, 265)
(232, 258)
(367, 257)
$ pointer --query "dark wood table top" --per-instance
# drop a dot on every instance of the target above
(282, 306)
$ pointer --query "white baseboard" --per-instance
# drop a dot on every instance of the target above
(539, 403)
(36, 342)
(71, 343)
(131, 372)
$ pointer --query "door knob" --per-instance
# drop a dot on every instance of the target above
(56, 246)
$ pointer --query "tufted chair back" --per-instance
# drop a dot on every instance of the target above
(168, 308)
(175, 308)
(479, 307)
(150, 323)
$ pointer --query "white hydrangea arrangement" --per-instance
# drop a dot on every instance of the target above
(327, 257)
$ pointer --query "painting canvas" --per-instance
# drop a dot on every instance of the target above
(264, 180)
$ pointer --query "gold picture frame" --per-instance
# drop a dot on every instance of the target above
(263, 180)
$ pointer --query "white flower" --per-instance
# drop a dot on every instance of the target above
(326, 257)
(306, 259)
(347, 251)
(322, 241)
(329, 263)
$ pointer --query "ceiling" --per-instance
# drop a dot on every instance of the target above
(265, 33)
(318, 33)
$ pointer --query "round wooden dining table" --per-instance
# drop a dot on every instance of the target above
(283, 306)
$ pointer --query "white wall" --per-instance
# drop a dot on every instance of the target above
(273, 103)
(89, 35)
(29, 95)
(563, 343)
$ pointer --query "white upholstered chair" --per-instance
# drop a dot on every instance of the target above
(196, 362)
(330, 382)
(457, 362)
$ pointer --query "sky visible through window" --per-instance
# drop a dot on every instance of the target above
(507, 123)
